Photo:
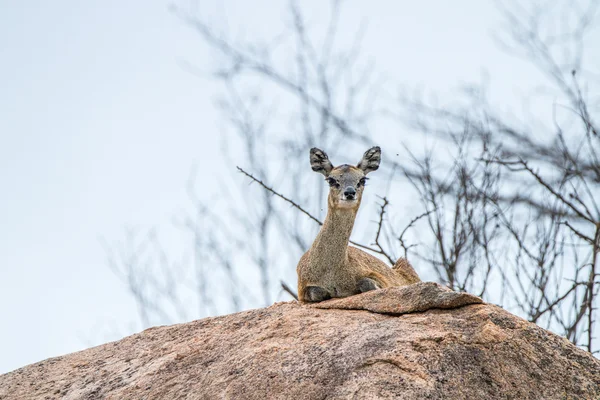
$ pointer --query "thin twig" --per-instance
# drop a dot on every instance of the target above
(286, 288)
(407, 227)
(269, 189)
(379, 226)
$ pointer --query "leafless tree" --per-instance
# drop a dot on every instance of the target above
(534, 186)
(510, 212)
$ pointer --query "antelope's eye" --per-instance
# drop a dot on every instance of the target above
(362, 182)
(333, 182)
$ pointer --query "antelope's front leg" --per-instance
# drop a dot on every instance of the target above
(367, 284)
(316, 293)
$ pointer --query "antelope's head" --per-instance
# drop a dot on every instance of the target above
(346, 182)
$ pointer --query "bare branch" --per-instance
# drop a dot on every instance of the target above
(286, 288)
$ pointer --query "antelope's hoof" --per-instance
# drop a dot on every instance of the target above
(367, 284)
(316, 293)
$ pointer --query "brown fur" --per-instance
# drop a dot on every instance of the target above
(330, 263)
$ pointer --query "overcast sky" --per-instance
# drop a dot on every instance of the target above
(100, 125)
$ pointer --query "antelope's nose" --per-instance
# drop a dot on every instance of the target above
(349, 193)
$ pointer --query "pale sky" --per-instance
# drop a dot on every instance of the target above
(100, 125)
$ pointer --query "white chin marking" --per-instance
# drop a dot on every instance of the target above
(347, 203)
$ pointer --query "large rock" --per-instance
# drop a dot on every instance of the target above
(332, 350)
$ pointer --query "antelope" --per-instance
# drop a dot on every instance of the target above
(331, 268)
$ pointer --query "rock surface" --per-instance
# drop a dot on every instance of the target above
(331, 350)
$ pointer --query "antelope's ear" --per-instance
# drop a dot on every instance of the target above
(371, 159)
(319, 161)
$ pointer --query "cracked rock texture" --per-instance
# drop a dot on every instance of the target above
(416, 342)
